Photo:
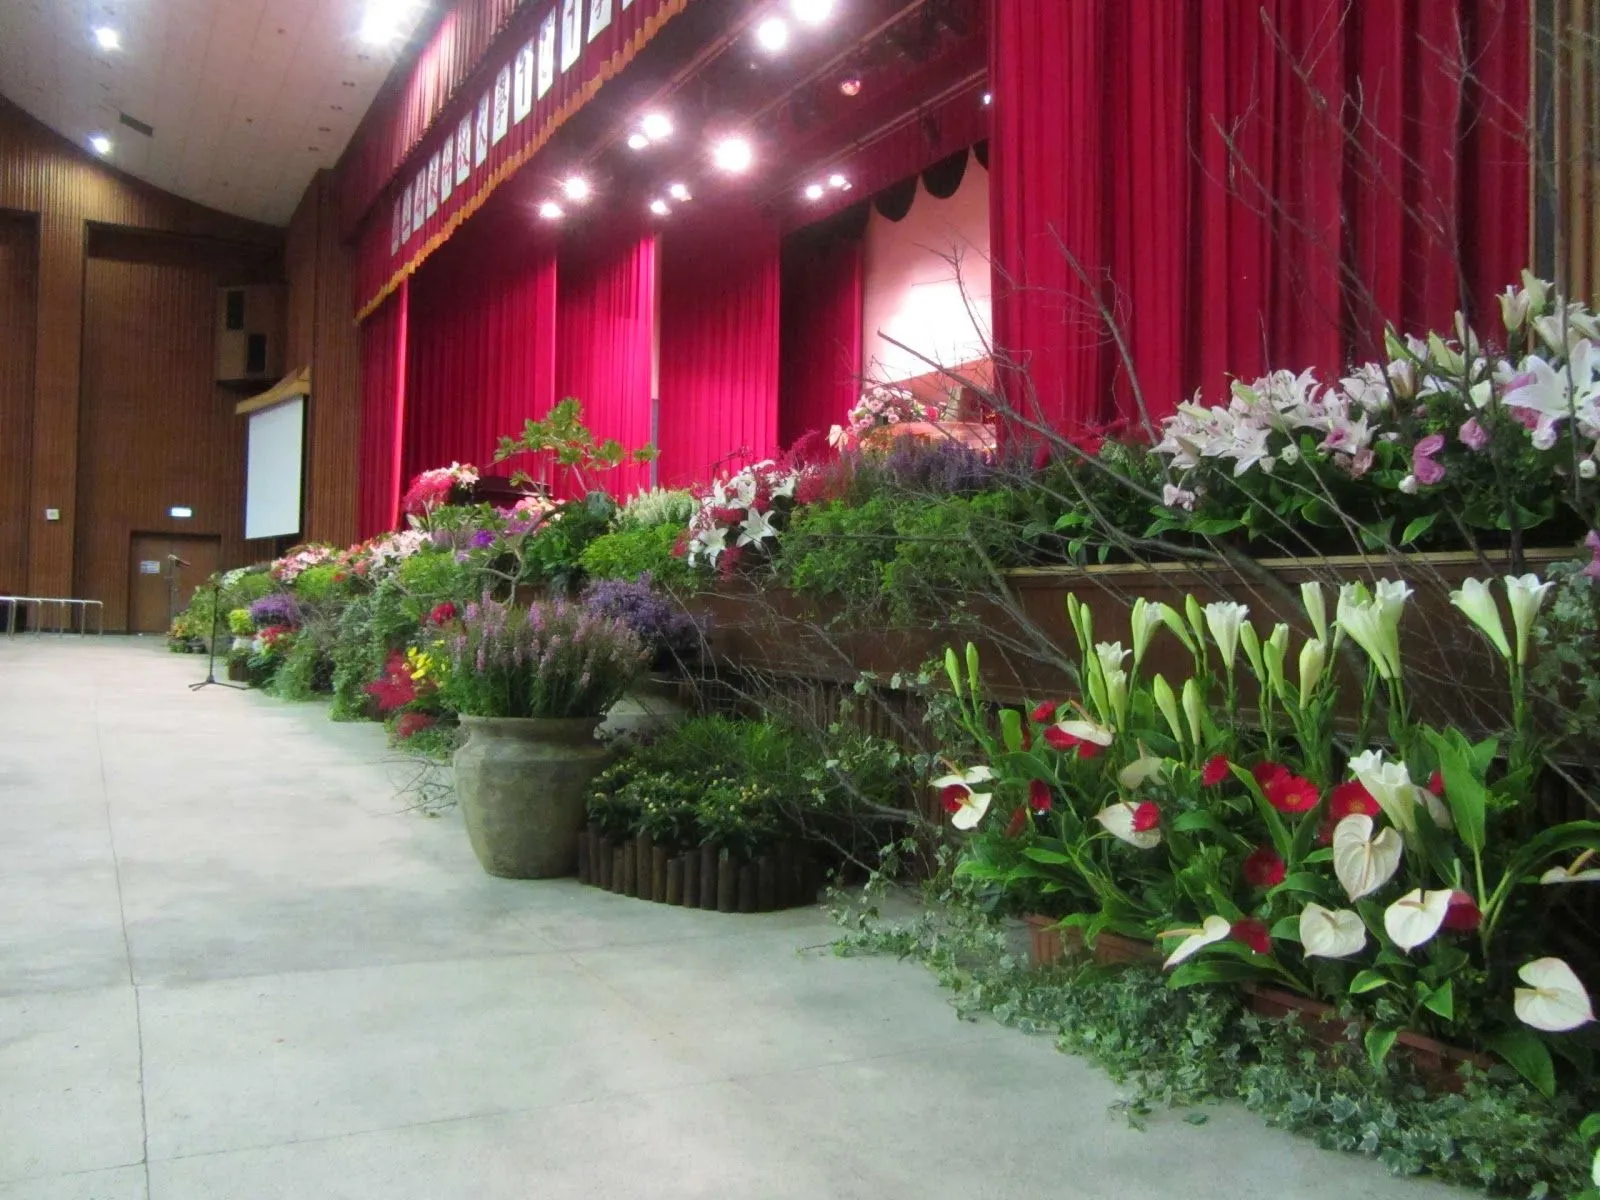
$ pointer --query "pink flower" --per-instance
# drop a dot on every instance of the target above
(1473, 436)
(1422, 465)
(1593, 543)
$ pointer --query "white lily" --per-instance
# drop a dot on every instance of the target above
(756, 526)
(1362, 862)
(1361, 616)
(1412, 920)
(1167, 703)
(709, 543)
(743, 487)
(1118, 820)
(1331, 933)
(783, 485)
(1144, 621)
(1475, 599)
(1526, 595)
(1212, 929)
(1555, 999)
(1313, 658)
(973, 803)
(1390, 785)
(1141, 770)
(1223, 618)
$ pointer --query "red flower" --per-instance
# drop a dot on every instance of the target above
(728, 561)
(1292, 794)
(1018, 822)
(395, 688)
(1463, 915)
(1146, 816)
(1267, 772)
(727, 515)
(1252, 933)
(1217, 770)
(954, 797)
(1263, 868)
(442, 613)
(1436, 783)
(680, 548)
(413, 723)
(1350, 799)
(1039, 796)
(1044, 713)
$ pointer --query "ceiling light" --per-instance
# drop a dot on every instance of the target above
(811, 12)
(773, 34)
(659, 207)
(838, 181)
(988, 98)
(656, 126)
(381, 23)
(108, 38)
(814, 191)
(638, 141)
(678, 192)
(100, 144)
(576, 188)
(733, 154)
(850, 86)
(550, 210)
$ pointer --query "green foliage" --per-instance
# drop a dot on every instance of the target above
(239, 623)
(562, 434)
(432, 576)
(554, 555)
(1565, 676)
(303, 671)
(357, 659)
(658, 506)
(317, 585)
(629, 553)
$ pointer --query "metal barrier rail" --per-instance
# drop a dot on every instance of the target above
(65, 607)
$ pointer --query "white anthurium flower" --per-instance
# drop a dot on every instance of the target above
(755, 527)
(1555, 999)
(1118, 820)
(1167, 703)
(973, 803)
(1526, 595)
(1362, 862)
(1313, 658)
(1412, 920)
(1311, 599)
(1194, 709)
(1475, 599)
(1142, 770)
(1212, 929)
(1331, 933)
(1087, 731)
(1390, 785)
(1576, 873)
(1223, 618)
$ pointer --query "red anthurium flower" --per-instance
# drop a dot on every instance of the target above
(1265, 773)
(1044, 713)
(1436, 783)
(1463, 915)
(1263, 868)
(954, 796)
(1252, 933)
(1039, 799)
(1217, 770)
(1146, 816)
(1018, 822)
(1292, 794)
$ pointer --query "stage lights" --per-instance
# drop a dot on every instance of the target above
(773, 34)
(850, 85)
(108, 38)
(576, 188)
(678, 192)
(660, 207)
(550, 211)
(988, 99)
(381, 23)
(100, 144)
(816, 191)
(656, 126)
(811, 12)
(838, 181)
(733, 155)
(638, 141)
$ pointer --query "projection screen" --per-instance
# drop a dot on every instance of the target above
(275, 461)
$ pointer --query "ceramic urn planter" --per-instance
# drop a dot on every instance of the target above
(522, 783)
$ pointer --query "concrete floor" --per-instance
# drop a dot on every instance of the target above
(232, 968)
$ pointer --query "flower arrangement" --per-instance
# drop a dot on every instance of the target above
(287, 569)
(739, 514)
(433, 489)
(374, 556)
(880, 405)
(275, 609)
(551, 660)
(662, 624)
(1399, 875)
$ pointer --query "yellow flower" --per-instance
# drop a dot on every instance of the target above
(418, 663)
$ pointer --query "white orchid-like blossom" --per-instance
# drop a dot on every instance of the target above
(1526, 594)
(756, 527)
(1364, 863)
(1120, 819)
(1223, 618)
(1475, 600)
(962, 786)
(1555, 999)
(1212, 929)
(1390, 785)
(1331, 933)
(1372, 621)
(1412, 920)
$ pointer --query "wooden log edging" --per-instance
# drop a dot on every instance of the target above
(706, 877)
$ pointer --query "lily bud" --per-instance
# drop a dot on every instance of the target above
(1250, 643)
(1167, 703)
(1316, 607)
(1274, 651)
(1194, 709)
(1476, 600)
(1224, 618)
(1313, 658)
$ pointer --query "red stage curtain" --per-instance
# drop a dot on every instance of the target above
(482, 350)
(719, 346)
(383, 404)
(1245, 184)
(605, 342)
(820, 337)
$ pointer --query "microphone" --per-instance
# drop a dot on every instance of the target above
(180, 561)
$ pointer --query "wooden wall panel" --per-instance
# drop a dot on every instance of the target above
(43, 174)
(19, 236)
(1577, 165)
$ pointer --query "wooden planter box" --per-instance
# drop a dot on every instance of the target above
(705, 877)
(1049, 944)
(239, 670)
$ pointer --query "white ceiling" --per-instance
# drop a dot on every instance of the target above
(248, 97)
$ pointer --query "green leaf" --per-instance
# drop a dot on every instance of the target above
(1589, 1127)
(1215, 526)
(1442, 1001)
(1011, 729)
(1367, 981)
(1286, 929)
(1379, 1042)
(1217, 970)
(1463, 790)
(1300, 881)
(1053, 857)
(1417, 528)
(1198, 820)
(1526, 1051)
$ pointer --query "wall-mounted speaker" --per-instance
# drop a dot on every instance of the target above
(250, 333)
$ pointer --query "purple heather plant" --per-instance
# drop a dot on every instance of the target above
(275, 608)
(662, 625)
(941, 468)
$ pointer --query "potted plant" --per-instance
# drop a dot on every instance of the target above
(531, 685)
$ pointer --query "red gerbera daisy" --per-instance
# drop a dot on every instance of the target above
(1292, 794)
(1217, 770)
(1263, 868)
(1146, 816)
(1252, 933)
(1044, 713)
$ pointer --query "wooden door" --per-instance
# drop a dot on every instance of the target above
(163, 571)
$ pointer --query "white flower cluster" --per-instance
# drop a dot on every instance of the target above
(288, 568)
(879, 406)
(738, 511)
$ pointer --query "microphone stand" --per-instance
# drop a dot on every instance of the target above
(211, 679)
